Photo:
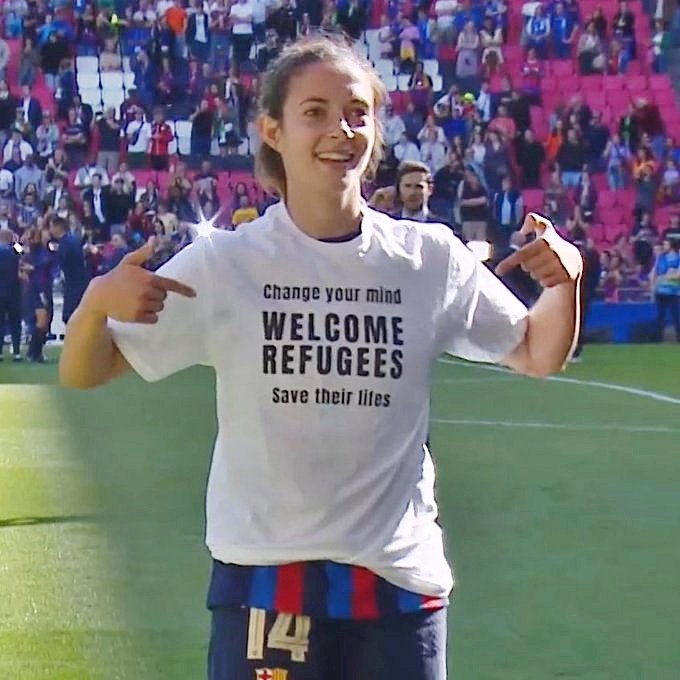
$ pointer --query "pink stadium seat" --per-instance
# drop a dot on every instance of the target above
(569, 85)
(560, 69)
(600, 182)
(613, 231)
(636, 84)
(660, 82)
(533, 199)
(596, 100)
(549, 84)
(613, 215)
(666, 99)
(626, 199)
(634, 69)
(618, 101)
(591, 83)
(613, 83)
(596, 231)
(606, 199)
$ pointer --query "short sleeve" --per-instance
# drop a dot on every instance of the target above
(179, 339)
(482, 320)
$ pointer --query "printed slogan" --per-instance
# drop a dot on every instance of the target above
(352, 345)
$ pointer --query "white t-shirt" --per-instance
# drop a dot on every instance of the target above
(143, 138)
(242, 18)
(323, 353)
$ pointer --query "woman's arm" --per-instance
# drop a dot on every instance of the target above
(128, 293)
(554, 321)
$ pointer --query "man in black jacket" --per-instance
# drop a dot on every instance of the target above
(10, 293)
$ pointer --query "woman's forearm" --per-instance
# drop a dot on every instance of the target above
(89, 357)
(552, 332)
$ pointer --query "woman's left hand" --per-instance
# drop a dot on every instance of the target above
(549, 259)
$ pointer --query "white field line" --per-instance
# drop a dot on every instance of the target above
(585, 427)
(634, 391)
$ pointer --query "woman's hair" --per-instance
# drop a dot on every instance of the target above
(274, 88)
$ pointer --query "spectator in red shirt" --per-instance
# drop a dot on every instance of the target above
(161, 136)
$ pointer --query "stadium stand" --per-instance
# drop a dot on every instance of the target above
(132, 119)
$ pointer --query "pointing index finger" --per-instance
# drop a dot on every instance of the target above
(172, 286)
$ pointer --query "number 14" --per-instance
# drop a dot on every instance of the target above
(280, 637)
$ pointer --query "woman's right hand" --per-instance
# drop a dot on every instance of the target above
(131, 293)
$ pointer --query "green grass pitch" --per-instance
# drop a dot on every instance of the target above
(559, 499)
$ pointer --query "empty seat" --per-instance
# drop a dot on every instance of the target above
(591, 83)
(128, 80)
(91, 96)
(660, 82)
(87, 80)
(431, 67)
(87, 64)
(113, 97)
(596, 100)
(606, 199)
(390, 83)
(615, 83)
(562, 68)
(384, 67)
(636, 83)
(533, 199)
(112, 80)
(437, 83)
(402, 81)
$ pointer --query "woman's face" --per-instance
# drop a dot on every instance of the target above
(327, 132)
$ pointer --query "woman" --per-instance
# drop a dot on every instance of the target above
(617, 156)
(29, 64)
(47, 137)
(57, 163)
(420, 86)
(591, 57)
(321, 495)
(467, 62)
(666, 287)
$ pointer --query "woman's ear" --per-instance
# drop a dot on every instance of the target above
(269, 130)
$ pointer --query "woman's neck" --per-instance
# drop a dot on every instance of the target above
(335, 217)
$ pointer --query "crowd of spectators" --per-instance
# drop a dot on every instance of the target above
(112, 178)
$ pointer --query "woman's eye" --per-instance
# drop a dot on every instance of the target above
(313, 113)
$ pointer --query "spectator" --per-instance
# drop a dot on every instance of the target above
(66, 88)
(571, 158)
(508, 212)
(645, 185)
(201, 129)
(55, 192)
(72, 263)
(29, 174)
(109, 59)
(532, 73)
(538, 32)
(556, 198)
(159, 141)
(224, 129)
(220, 33)
(530, 157)
(165, 85)
(669, 188)
(138, 135)
(58, 163)
(661, 46)
(591, 57)
(7, 220)
(474, 207)
(393, 126)
(52, 54)
(596, 138)
(623, 27)
(10, 293)
(618, 59)
(241, 14)
(17, 142)
(15, 162)
(108, 155)
(666, 286)
(672, 232)
(246, 212)
(491, 39)
(352, 18)
(47, 137)
(629, 129)
(484, 102)
(8, 105)
(97, 197)
(28, 209)
(176, 20)
(30, 107)
(29, 64)
(478, 147)
(75, 140)
(433, 151)
(600, 22)
(414, 187)
(120, 204)
(198, 34)
(643, 239)
(563, 32)
(405, 150)
(420, 87)
(85, 174)
(112, 253)
(467, 61)
(409, 39)
(617, 157)
(503, 124)
(586, 197)
(497, 162)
